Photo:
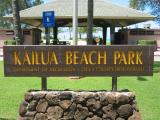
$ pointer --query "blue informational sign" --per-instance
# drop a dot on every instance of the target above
(48, 19)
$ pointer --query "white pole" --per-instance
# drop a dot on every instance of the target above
(75, 21)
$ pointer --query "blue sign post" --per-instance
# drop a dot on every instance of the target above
(48, 21)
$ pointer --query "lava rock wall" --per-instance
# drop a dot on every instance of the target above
(69, 105)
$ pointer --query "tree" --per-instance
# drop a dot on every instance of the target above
(83, 30)
(16, 21)
(16, 17)
(153, 5)
(90, 22)
(70, 33)
(133, 4)
(6, 8)
(37, 2)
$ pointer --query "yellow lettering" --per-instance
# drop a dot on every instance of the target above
(53, 58)
(90, 57)
(37, 58)
(104, 57)
(84, 58)
(68, 57)
(123, 59)
(131, 57)
(138, 58)
(116, 56)
(16, 59)
(33, 58)
(75, 57)
(42, 58)
(26, 59)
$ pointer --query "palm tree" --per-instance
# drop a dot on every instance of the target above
(16, 21)
(90, 22)
(133, 4)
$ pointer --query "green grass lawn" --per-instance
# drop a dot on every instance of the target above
(147, 90)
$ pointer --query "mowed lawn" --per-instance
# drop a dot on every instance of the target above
(147, 90)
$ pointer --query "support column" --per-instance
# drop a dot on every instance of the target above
(44, 79)
(47, 33)
(104, 35)
(55, 33)
(75, 22)
(114, 78)
(114, 84)
(112, 32)
(90, 22)
(44, 83)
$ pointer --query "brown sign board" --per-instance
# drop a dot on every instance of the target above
(45, 61)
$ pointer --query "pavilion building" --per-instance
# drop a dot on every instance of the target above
(106, 15)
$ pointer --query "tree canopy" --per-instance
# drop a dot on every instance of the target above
(6, 8)
(152, 5)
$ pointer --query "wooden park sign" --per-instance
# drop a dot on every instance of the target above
(45, 61)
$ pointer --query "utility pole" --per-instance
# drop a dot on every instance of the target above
(75, 22)
(44, 79)
(48, 21)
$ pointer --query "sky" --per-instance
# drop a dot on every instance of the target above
(121, 2)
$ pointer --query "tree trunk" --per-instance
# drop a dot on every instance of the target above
(80, 35)
(16, 21)
(26, 4)
(70, 33)
(90, 22)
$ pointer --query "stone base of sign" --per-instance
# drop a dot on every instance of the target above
(69, 105)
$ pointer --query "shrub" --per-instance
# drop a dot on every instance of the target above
(147, 42)
(10, 42)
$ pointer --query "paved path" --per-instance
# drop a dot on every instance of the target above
(157, 55)
(1, 54)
